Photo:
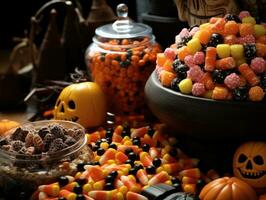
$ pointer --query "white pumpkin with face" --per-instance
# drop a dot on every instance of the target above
(83, 103)
(249, 164)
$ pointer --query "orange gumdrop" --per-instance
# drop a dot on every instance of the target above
(182, 53)
(230, 39)
(246, 29)
(261, 49)
(231, 28)
(166, 78)
(220, 93)
(161, 59)
(262, 39)
(204, 36)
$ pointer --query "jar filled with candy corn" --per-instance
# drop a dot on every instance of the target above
(38, 153)
(120, 60)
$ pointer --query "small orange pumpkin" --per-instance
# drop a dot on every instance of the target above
(6, 125)
(227, 189)
(249, 164)
(262, 197)
(83, 103)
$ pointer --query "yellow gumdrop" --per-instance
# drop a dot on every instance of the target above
(194, 45)
(249, 19)
(185, 86)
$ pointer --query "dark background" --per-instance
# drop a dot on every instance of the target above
(15, 16)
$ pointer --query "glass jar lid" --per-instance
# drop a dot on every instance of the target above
(123, 27)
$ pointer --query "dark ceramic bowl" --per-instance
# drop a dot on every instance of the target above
(206, 129)
(205, 119)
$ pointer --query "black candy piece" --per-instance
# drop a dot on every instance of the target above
(108, 186)
(250, 51)
(109, 133)
(62, 198)
(218, 76)
(181, 71)
(100, 151)
(150, 131)
(113, 145)
(63, 181)
(113, 174)
(77, 189)
(174, 84)
(215, 39)
(263, 80)
(232, 17)
(81, 181)
(156, 162)
(151, 169)
(109, 179)
(146, 147)
(80, 167)
(240, 94)
(173, 152)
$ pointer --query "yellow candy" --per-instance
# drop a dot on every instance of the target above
(237, 51)
(249, 19)
(208, 94)
(185, 86)
(194, 45)
(240, 61)
(223, 50)
(104, 145)
(259, 30)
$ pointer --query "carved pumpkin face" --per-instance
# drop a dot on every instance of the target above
(250, 163)
(83, 103)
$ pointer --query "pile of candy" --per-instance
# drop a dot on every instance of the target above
(126, 162)
(47, 139)
(222, 60)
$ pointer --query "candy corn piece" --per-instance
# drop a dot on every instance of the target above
(145, 159)
(142, 177)
(135, 196)
(159, 178)
(67, 194)
(108, 155)
(51, 190)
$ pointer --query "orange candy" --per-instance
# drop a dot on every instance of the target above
(246, 29)
(108, 155)
(204, 36)
(207, 81)
(220, 93)
(231, 28)
(161, 59)
(166, 78)
(193, 173)
(261, 49)
(51, 190)
(248, 74)
(230, 39)
(135, 196)
(183, 52)
(225, 63)
(256, 93)
(210, 60)
(159, 178)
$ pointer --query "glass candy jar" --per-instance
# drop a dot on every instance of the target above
(120, 60)
(23, 170)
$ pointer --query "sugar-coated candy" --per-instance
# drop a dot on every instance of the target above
(231, 28)
(194, 45)
(210, 59)
(247, 39)
(223, 50)
(193, 31)
(246, 29)
(198, 89)
(259, 30)
(220, 93)
(248, 74)
(199, 58)
(258, 65)
(189, 61)
(170, 53)
(249, 19)
(237, 51)
(243, 14)
(232, 81)
(256, 93)
(195, 73)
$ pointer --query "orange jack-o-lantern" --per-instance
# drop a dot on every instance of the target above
(250, 164)
(83, 103)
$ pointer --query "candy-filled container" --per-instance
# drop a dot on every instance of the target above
(38, 153)
(120, 59)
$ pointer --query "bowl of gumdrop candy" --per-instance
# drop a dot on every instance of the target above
(210, 84)
(37, 153)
